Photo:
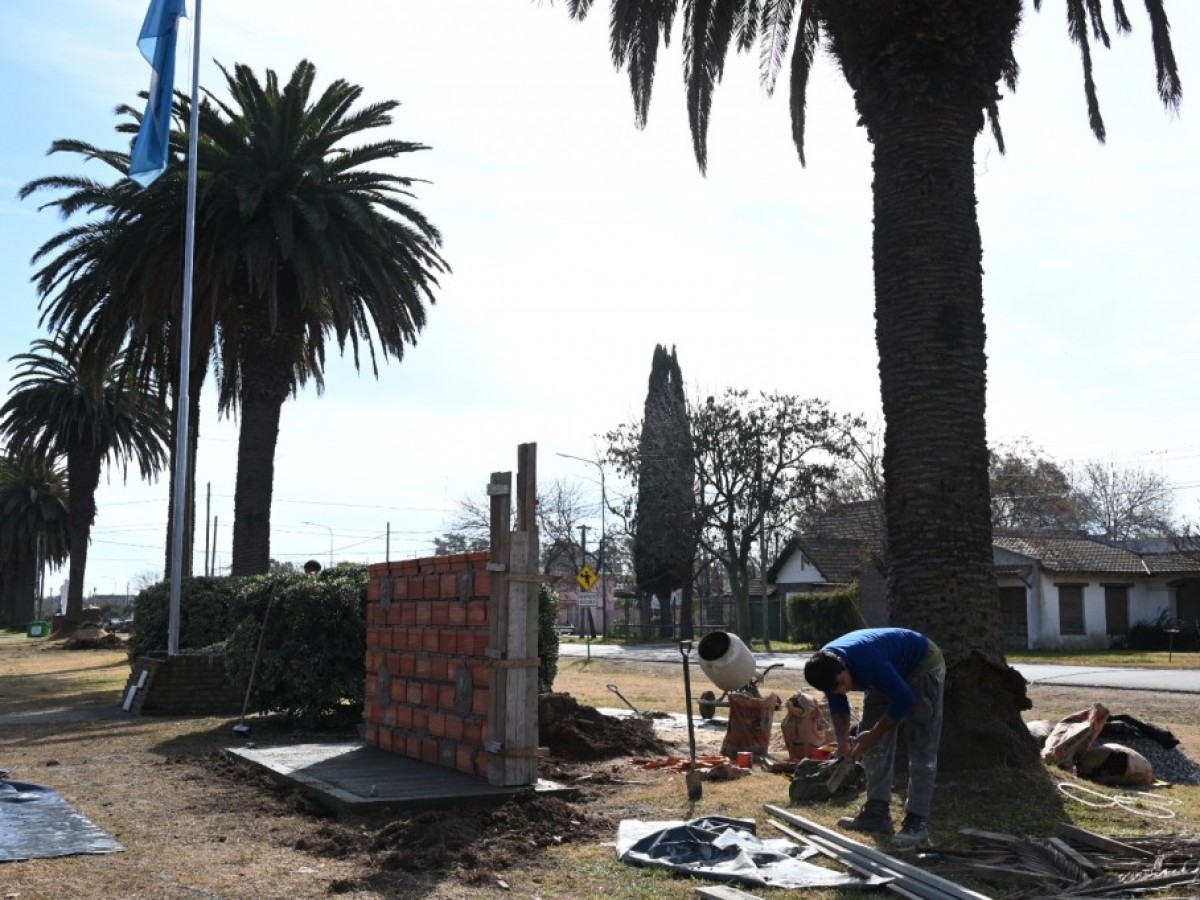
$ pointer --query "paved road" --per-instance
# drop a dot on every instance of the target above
(1186, 681)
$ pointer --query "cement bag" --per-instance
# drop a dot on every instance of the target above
(1073, 735)
(750, 720)
(804, 728)
(1039, 730)
(1114, 764)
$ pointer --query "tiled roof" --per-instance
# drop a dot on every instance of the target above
(1082, 554)
(839, 559)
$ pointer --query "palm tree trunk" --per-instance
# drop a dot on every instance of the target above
(932, 367)
(83, 475)
(261, 407)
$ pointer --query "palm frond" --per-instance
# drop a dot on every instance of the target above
(808, 34)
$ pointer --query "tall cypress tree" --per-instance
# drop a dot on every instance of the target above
(664, 544)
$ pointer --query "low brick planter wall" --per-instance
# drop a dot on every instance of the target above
(184, 684)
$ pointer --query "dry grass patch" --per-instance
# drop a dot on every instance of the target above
(196, 825)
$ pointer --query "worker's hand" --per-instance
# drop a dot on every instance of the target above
(861, 745)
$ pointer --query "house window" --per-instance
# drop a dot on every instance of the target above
(1070, 609)
(1116, 608)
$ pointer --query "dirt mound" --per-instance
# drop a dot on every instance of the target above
(471, 844)
(582, 733)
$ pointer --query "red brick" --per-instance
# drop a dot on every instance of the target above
(481, 673)
(414, 693)
(406, 567)
(464, 759)
(443, 563)
(479, 702)
(448, 586)
(479, 558)
(371, 685)
(399, 690)
(454, 726)
(474, 643)
(389, 715)
(395, 615)
(430, 642)
(404, 716)
(482, 583)
(385, 738)
(446, 696)
(424, 612)
(437, 723)
(413, 746)
(423, 666)
(477, 612)
(429, 695)
(373, 638)
(408, 665)
(408, 614)
(372, 590)
(416, 587)
(429, 751)
(420, 719)
(439, 613)
(473, 731)
(371, 734)
(414, 640)
(372, 711)
(456, 614)
(399, 590)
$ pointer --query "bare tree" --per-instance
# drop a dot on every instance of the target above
(1124, 503)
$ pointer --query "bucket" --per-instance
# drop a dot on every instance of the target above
(37, 629)
(726, 660)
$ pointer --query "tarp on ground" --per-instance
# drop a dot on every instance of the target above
(36, 823)
(724, 849)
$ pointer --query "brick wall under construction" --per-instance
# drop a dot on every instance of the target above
(451, 668)
(427, 665)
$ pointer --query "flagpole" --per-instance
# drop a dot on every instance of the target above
(183, 401)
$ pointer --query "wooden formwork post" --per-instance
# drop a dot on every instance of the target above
(512, 699)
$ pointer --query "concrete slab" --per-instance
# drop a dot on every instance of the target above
(354, 779)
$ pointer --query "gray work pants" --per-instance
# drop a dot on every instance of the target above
(922, 730)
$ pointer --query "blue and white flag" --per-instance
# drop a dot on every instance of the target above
(157, 43)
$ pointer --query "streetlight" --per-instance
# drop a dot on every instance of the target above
(330, 530)
(600, 561)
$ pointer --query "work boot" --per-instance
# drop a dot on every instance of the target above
(873, 818)
(913, 833)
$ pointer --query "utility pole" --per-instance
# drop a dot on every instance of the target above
(600, 562)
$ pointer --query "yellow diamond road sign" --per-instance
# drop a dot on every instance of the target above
(586, 577)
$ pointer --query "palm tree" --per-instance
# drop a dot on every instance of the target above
(311, 243)
(114, 280)
(87, 410)
(925, 78)
(33, 531)
(296, 241)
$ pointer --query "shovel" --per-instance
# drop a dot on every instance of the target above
(694, 789)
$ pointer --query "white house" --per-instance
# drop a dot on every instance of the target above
(1076, 592)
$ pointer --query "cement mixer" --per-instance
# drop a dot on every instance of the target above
(729, 664)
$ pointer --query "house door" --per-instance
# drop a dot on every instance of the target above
(1015, 617)
(1187, 601)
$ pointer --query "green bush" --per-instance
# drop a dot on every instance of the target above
(204, 615)
(819, 617)
(547, 638)
(311, 666)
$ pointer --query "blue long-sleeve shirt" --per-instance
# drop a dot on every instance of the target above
(880, 659)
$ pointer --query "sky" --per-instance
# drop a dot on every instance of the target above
(578, 242)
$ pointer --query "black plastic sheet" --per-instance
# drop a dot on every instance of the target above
(36, 823)
(724, 849)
